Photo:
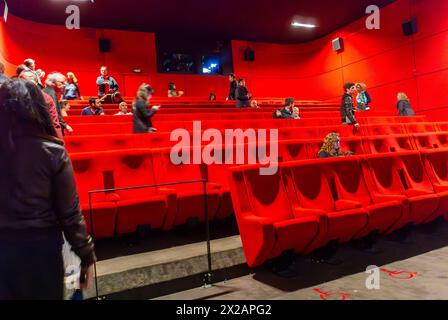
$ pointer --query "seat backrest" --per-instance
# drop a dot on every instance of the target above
(382, 175)
(414, 172)
(437, 166)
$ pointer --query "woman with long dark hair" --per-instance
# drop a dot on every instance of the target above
(142, 116)
(38, 200)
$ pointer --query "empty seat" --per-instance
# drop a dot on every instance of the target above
(267, 224)
(386, 144)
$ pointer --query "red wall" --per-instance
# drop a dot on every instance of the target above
(57, 49)
(384, 59)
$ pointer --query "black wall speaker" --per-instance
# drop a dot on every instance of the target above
(410, 27)
(104, 45)
(338, 44)
(249, 55)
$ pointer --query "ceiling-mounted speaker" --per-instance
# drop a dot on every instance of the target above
(338, 44)
(410, 27)
(249, 55)
(104, 45)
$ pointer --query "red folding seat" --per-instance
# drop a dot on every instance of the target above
(343, 131)
(383, 129)
(397, 177)
(436, 164)
(142, 206)
(100, 212)
(429, 141)
(310, 193)
(190, 197)
(390, 143)
(267, 224)
(304, 133)
(442, 126)
(411, 119)
(348, 185)
(292, 150)
(421, 127)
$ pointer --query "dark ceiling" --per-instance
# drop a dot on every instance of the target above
(256, 20)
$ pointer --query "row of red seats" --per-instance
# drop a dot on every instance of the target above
(307, 204)
(162, 139)
(165, 126)
(121, 212)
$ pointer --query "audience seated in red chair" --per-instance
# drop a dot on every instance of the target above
(254, 104)
(123, 109)
(287, 111)
(94, 108)
(332, 147)
(212, 96)
(65, 107)
(363, 98)
(172, 91)
(71, 90)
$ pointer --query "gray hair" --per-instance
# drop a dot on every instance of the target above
(54, 77)
(29, 76)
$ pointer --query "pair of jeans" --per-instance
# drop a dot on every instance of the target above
(31, 271)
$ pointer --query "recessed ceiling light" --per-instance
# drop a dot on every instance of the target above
(303, 25)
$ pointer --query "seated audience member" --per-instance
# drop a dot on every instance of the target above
(212, 97)
(172, 92)
(65, 107)
(142, 116)
(51, 106)
(2, 73)
(106, 84)
(287, 112)
(363, 98)
(242, 94)
(332, 147)
(278, 114)
(254, 104)
(94, 108)
(123, 109)
(20, 68)
(233, 86)
(404, 106)
(117, 98)
(71, 90)
(38, 200)
(295, 113)
(347, 105)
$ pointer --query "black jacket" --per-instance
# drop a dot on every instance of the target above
(242, 97)
(142, 116)
(404, 109)
(232, 91)
(52, 93)
(347, 109)
(38, 196)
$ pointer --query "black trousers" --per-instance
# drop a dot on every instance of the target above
(31, 271)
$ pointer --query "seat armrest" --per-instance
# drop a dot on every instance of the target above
(342, 205)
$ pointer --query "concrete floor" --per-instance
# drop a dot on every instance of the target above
(425, 260)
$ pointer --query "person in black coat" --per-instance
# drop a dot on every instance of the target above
(233, 86)
(142, 116)
(403, 106)
(347, 105)
(39, 201)
(242, 95)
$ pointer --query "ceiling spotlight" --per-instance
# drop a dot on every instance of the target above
(303, 25)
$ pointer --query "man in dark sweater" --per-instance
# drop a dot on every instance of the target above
(347, 105)
(242, 95)
(55, 84)
(233, 86)
(94, 108)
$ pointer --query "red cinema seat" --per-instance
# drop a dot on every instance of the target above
(421, 127)
(292, 150)
(190, 197)
(387, 144)
(429, 141)
(100, 212)
(348, 185)
(383, 129)
(142, 206)
(436, 164)
(343, 131)
(310, 192)
(265, 218)
(402, 175)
